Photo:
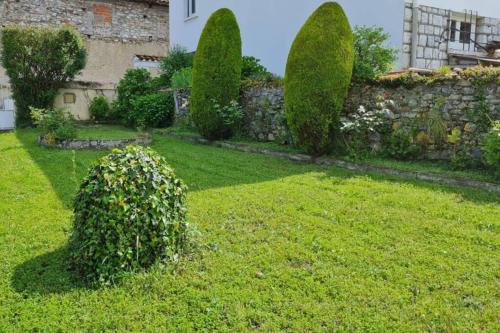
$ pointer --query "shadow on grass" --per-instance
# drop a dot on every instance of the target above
(45, 274)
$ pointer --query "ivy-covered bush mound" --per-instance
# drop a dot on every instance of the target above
(216, 74)
(154, 110)
(318, 75)
(39, 61)
(99, 108)
(129, 215)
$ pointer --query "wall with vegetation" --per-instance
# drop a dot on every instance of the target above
(461, 102)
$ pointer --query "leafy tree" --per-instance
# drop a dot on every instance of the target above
(40, 61)
(372, 57)
(135, 83)
(318, 75)
(253, 69)
(216, 74)
(177, 59)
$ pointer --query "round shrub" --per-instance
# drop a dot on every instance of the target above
(129, 214)
(317, 79)
(216, 74)
(153, 110)
(99, 108)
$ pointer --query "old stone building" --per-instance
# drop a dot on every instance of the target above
(118, 34)
(435, 37)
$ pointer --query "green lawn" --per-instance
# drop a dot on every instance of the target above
(106, 132)
(286, 247)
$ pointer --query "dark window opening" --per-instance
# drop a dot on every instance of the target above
(465, 32)
(453, 31)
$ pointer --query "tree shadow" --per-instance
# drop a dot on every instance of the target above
(45, 274)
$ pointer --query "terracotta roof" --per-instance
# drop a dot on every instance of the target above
(148, 57)
(154, 2)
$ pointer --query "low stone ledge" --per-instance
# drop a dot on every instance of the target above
(93, 144)
(327, 161)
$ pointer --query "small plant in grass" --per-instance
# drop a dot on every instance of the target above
(129, 214)
(99, 108)
(491, 149)
(54, 124)
(153, 111)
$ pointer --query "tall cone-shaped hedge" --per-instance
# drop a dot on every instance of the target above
(216, 73)
(318, 75)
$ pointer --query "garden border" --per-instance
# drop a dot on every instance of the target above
(327, 161)
(96, 144)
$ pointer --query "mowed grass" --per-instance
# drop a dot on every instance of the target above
(284, 247)
(106, 132)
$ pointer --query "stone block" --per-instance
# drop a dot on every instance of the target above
(422, 40)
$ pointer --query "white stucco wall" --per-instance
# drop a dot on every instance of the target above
(268, 27)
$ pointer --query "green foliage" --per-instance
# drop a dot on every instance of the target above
(39, 61)
(253, 70)
(216, 73)
(177, 59)
(183, 78)
(135, 83)
(372, 57)
(401, 144)
(436, 128)
(129, 215)
(231, 115)
(491, 148)
(318, 75)
(99, 108)
(54, 124)
(153, 110)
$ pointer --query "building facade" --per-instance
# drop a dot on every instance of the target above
(118, 35)
(436, 37)
(268, 27)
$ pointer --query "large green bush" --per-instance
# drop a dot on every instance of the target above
(177, 59)
(99, 108)
(129, 214)
(135, 83)
(153, 110)
(54, 124)
(216, 74)
(318, 75)
(183, 78)
(39, 61)
(372, 57)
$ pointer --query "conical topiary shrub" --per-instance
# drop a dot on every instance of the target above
(216, 74)
(317, 79)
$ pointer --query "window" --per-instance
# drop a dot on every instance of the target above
(453, 31)
(147, 61)
(190, 8)
(465, 32)
(69, 98)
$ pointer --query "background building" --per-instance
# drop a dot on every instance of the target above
(118, 35)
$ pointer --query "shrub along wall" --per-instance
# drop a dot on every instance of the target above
(410, 103)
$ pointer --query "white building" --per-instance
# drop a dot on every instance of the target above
(268, 27)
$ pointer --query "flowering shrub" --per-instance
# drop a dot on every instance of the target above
(54, 124)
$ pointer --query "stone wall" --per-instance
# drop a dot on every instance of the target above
(265, 119)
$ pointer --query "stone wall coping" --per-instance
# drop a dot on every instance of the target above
(96, 144)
